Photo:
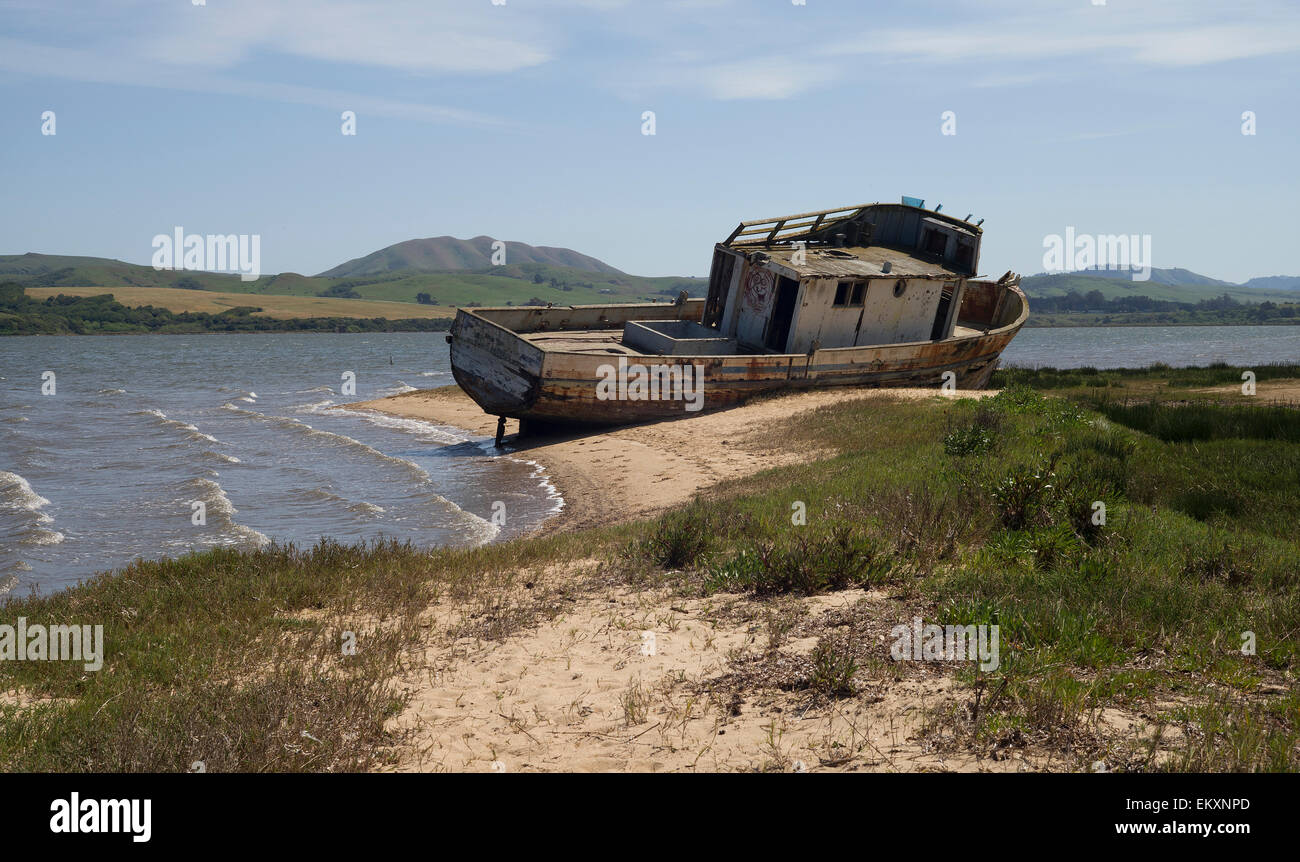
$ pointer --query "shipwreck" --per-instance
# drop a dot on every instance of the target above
(875, 295)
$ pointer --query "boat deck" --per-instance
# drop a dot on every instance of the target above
(610, 341)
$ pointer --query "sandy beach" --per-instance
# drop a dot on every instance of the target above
(613, 475)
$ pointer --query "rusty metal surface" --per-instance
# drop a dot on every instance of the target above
(509, 376)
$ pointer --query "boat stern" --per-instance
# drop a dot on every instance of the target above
(498, 369)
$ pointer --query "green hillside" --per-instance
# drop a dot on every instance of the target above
(1113, 288)
(515, 284)
(446, 253)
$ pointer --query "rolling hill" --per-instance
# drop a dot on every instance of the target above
(1180, 290)
(1275, 282)
(448, 254)
(515, 284)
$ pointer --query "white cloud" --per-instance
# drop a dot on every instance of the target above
(25, 58)
(1183, 34)
(766, 78)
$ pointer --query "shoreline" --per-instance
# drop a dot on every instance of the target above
(615, 475)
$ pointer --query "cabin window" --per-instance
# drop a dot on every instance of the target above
(859, 291)
(900, 287)
(842, 293)
(936, 242)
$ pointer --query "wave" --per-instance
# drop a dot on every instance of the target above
(429, 432)
(219, 456)
(488, 447)
(447, 435)
(481, 530)
(111, 392)
(367, 509)
(341, 440)
(18, 496)
(191, 433)
(218, 507)
(17, 493)
(548, 487)
(42, 536)
(401, 387)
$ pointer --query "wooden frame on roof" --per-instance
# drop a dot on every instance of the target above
(780, 229)
(819, 226)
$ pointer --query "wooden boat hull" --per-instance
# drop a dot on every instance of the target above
(508, 375)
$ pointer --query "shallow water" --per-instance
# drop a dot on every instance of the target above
(140, 428)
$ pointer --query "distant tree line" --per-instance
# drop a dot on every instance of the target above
(1094, 302)
(96, 315)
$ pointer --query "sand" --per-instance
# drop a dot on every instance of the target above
(608, 476)
(641, 681)
(608, 677)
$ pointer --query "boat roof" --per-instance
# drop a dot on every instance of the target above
(860, 262)
(811, 226)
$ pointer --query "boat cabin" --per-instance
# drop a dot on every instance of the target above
(857, 276)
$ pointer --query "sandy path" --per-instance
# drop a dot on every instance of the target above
(608, 476)
(637, 681)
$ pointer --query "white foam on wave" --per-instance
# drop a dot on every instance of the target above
(399, 388)
(219, 505)
(488, 445)
(449, 434)
(192, 433)
(429, 432)
(480, 529)
(17, 493)
(18, 496)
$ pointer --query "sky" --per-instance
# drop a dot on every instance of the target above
(523, 120)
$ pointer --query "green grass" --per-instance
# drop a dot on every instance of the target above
(965, 512)
(235, 658)
(1198, 547)
(1138, 380)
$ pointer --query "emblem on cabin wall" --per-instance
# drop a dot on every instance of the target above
(758, 289)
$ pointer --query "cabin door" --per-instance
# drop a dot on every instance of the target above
(778, 326)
